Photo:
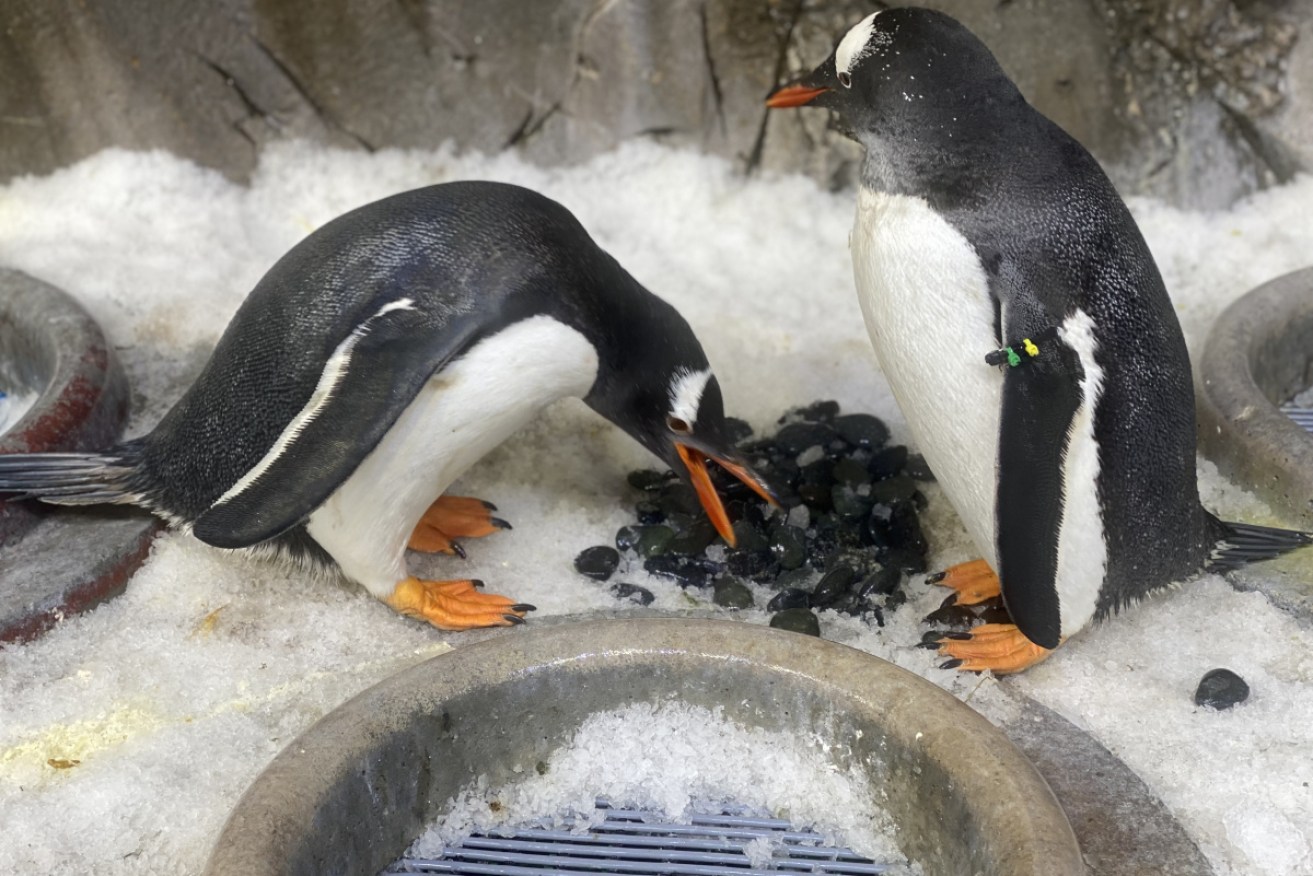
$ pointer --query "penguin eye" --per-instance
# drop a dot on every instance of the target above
(846, 79)
(678, 426)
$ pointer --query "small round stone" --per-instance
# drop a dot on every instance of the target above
(917, 468)
(684, 571)
(694, 539)
(737, 430)
(862, 430)
(748, 537)
(799, 579)
(797, 437)
(654, 540)
(797, 620)
(789, 545)
(597, 562)
(832, 587)
(899, 488)
(789, 598)
(851, 472)
(881, 582)
(849, 504)
(1221, 689)
(887, 462)
(730, 592)
(756, 565)
(633, 593)
(649, 513)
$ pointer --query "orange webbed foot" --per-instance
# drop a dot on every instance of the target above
(450, 518)
(999, 648)
(973, 582)
(455, 605)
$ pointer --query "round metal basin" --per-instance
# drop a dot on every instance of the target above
(51, 347)
(1259, 354)
(353, 791)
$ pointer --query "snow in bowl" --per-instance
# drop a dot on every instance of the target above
(654, 715)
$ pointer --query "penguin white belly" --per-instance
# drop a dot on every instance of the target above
(925, 298)
(464, 411)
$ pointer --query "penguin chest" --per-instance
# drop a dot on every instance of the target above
(926, 302)
(464, 411)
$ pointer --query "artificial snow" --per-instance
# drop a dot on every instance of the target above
(127, 734)
(686, 760)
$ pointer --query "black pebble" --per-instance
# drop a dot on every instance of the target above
(649, 512)
(881, 582)
(757, 565)
(799, 578)
(862, 430)
(633, 592)
(649, 479)
(887, 462)
(598, 562)
(917, 468)
(849, 504)
(1221, 689)
(731, 593)
(832, 587)
(851, 472)
(899, 488)
(797, 437)
(789, 598)
(789, 545)
(747, 537)
(797, 620)
(654, 540)
(694, 539)
(684, 571)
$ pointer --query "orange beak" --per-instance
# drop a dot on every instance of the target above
(794, 95)
(696, 463)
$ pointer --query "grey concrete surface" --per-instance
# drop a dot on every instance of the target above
(349, 794)
(1197, 101)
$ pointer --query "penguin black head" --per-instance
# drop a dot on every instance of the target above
(656, 384)
(908, 80)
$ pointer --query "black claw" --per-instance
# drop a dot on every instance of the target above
(488, 505)
(929, 645)
(524, 606)
(935, 578)
(950, 664)
(949, 601)
(458, 550)
(513, 619)
(477, 582)
(956, 636)
(499, 523)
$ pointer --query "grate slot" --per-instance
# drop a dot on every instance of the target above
(634, 843)
(1303, 417)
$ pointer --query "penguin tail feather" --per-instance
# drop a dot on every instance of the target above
(70, 478)
(1245, 543)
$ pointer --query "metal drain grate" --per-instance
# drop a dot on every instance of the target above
(639, 843)
(1303, 417)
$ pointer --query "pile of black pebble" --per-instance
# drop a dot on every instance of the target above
(844, 539)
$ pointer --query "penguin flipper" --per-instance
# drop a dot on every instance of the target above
(368, 385)
(1041, 397)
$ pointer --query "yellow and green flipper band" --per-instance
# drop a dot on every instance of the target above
(1013, 359)
(1031, 350)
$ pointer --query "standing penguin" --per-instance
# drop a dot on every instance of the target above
(377, 361)
(1026, 333)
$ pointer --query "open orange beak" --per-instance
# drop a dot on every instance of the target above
(696, 463)
(794, 95)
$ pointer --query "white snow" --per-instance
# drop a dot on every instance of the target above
(127, 734)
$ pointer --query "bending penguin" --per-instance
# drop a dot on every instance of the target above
(377, 361)
(1027, 336)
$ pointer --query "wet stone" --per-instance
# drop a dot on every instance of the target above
(729, 592)
(1221, 689)
(789, 598)
(737, 430)
(797, 437)
(749, 511)
(832, 587)
(649, 479)
(862, 430)
(755, 565)
(796, 578)
(678, 498)
(789, 545)
(694, 539)
(905, 530)
(899, 488)
(684, 571)
(850, 471)
(749, 537)
(649, 513)
(887, 462)
(820, 472)
(881, 582)
(797, 620)
(597, 562)
(850, 504)
(633, 593)
(627, 536)
(654, 540)
(917, 468)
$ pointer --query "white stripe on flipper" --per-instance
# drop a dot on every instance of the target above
(686, 390)
(1082, 550)
(334, 370)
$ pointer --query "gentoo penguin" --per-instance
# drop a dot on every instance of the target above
(378, 360)
(1027, 336)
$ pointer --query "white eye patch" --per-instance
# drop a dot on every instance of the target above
(686, 394)
(855, 45)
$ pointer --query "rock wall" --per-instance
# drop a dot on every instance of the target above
(1198, 101)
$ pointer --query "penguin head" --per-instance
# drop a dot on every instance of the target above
(664, 395)
(907, 79)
